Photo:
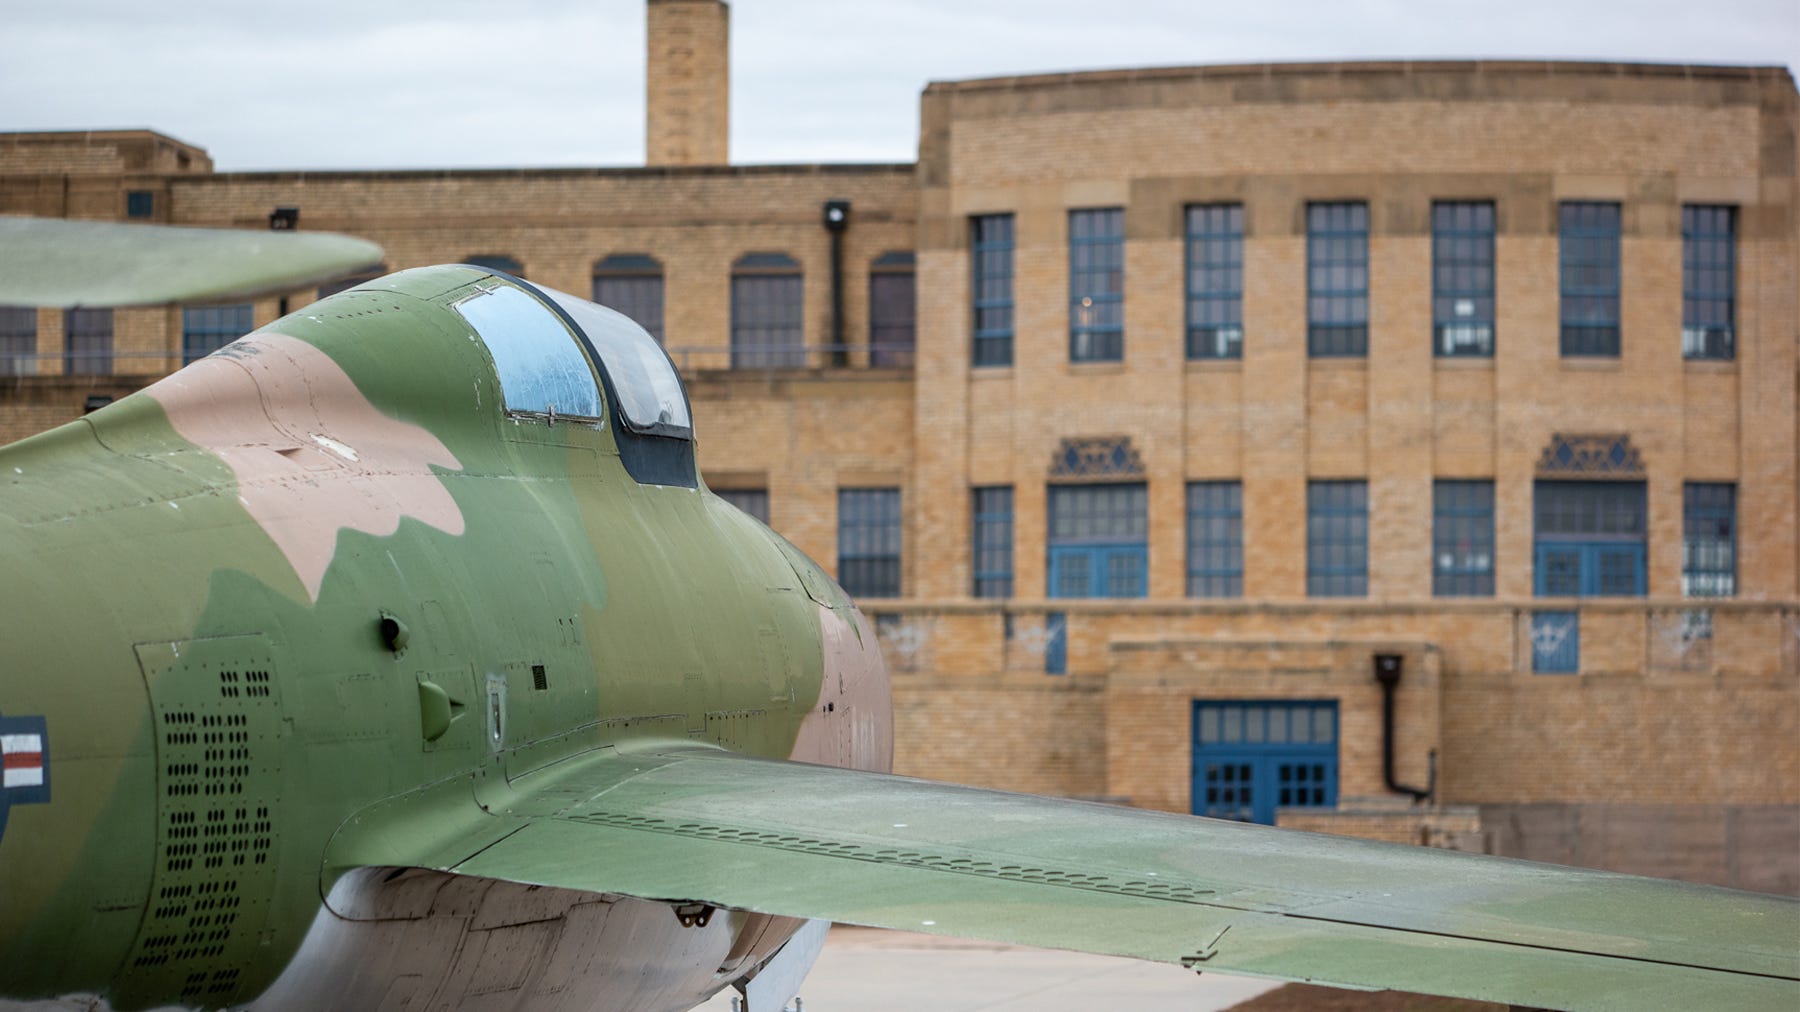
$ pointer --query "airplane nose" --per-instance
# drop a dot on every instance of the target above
(852, 723)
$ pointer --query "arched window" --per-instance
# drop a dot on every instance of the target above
(891, 312)
(496, 262)
(632, 283)
(767, 312)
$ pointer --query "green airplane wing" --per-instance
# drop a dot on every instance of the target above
(58, 263)
(707, 826)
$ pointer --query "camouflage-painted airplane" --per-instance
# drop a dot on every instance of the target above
(396, 656)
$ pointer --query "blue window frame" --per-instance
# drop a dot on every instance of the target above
(632, 283)
(1555, 642)
(1097, 285)
(88, 342)
(1588, 256)
(1215, 281)
(1462, 278)
(767, 312)
(1337, 538)
(1215, 539)
(993, 541)
(754, 501)
(18, 340)
(1462, 538)
(1253, 757)
(206, 329)
(1337, 279)
(991, 287)
(1590, 538)
(869, 541)
(1708, 281)
(140, 204)
(1709, 539)
(1098, 543)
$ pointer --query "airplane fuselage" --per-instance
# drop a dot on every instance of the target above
(334, 565)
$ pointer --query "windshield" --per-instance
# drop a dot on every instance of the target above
(541, 366)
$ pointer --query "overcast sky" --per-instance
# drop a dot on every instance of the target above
(275, 84)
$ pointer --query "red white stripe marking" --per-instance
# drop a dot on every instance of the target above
(22, 759)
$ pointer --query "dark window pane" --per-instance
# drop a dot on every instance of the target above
(632, 283)
(206, 329)
(991, 254)
(767, 313)
(1708, 281)
(869, 541)
(1462, 539)
(1337, 538)
(1462, 278)
(1215, 539)
(18, 341)
(1097, 285)
(891, 317)
(1709, 539)
(1588, 258)
(754, 501)
(993, 541)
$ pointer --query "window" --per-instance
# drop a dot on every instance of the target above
(18, 341)
(1462, 278)
(1337, 538)
(991, 254)
(1337, 280)
(206, 329)
(1215, 281)
(1098, 541)
(1462, 538)
(1708, 281)
(891, 309)
(1709, 539)
(1588, 240)
(1252, 757)
(754, 501)
(1215, 539)
(993, 541)
(632, 283)
(1590, 538)
(1097, 285)
(869, 541)
(88, 341)
(541, 368)
(767, 312)
(496, 262)
(140, 204)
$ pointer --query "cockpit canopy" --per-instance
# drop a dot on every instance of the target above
(562, 358)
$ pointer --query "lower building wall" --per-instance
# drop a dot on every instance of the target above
(1668, 756)
(1755, 847)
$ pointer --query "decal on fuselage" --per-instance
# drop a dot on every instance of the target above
(24, 764)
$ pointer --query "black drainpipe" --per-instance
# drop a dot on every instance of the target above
(837, 218)
(1387, 672)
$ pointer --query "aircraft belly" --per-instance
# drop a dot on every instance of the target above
(406, 938)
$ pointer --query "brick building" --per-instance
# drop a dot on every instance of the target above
(1150, 412)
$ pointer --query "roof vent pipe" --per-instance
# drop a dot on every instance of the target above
(1387, 672)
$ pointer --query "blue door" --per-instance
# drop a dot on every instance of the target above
(1590, 569)
(1254, 756)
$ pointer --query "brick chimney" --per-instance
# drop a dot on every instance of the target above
(688, 83)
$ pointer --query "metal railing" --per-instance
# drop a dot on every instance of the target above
(692, 357)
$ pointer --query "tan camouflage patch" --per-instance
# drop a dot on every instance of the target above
(852, 723)
(311, 455)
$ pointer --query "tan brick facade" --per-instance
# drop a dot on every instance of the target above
(1704, 730)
